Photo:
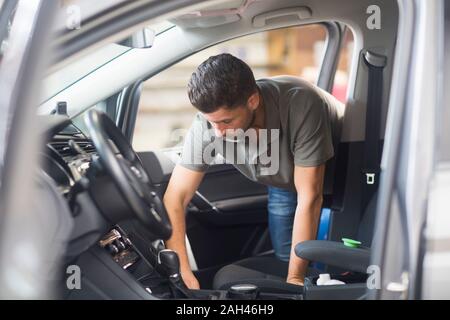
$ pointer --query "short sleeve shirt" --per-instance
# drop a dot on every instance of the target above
(303, 124)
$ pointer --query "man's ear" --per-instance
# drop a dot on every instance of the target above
(253, 101)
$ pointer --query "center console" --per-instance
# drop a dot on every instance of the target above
(117, 269)
(157, 272)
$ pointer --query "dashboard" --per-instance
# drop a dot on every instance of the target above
(98, 242)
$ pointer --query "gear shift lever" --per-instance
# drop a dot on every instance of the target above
(169, 264)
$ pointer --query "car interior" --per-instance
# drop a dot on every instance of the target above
(103, 200)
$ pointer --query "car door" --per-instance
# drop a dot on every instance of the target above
(24, 253)
(412, 242)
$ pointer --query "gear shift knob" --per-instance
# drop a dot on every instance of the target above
(169, 262)
(169, 265)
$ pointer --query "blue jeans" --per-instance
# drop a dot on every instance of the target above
(281, 206)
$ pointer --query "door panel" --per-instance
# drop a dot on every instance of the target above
(225, 182)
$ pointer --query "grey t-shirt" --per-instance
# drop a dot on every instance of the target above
(303, 125)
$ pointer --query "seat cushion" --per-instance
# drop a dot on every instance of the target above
(267, 272)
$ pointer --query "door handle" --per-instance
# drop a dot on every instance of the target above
(203, 204)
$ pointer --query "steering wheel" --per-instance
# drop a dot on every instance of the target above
(123, 165)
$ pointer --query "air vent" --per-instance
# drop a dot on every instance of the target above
(86, 145)
(64, 150)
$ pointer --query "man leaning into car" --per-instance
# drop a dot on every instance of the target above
(302, 122)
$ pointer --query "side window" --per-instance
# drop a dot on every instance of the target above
(341, 77)
(109, 106)
(164, 105)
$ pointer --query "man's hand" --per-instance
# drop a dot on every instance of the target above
(309, 184)
(190, 280)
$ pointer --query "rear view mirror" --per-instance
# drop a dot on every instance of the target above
(140, 40)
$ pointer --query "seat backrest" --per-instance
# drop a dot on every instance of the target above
(367, 224)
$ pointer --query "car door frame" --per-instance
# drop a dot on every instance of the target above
(408, 162)
(22, 251)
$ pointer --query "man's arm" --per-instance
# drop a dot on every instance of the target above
(309, 184)
(182, 186)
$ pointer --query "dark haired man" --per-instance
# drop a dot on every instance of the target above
(302, 123)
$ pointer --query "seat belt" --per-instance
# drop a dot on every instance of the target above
(371, 159)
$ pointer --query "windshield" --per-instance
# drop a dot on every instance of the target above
(62, 79)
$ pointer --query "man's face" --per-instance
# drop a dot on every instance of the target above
(226, 121)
